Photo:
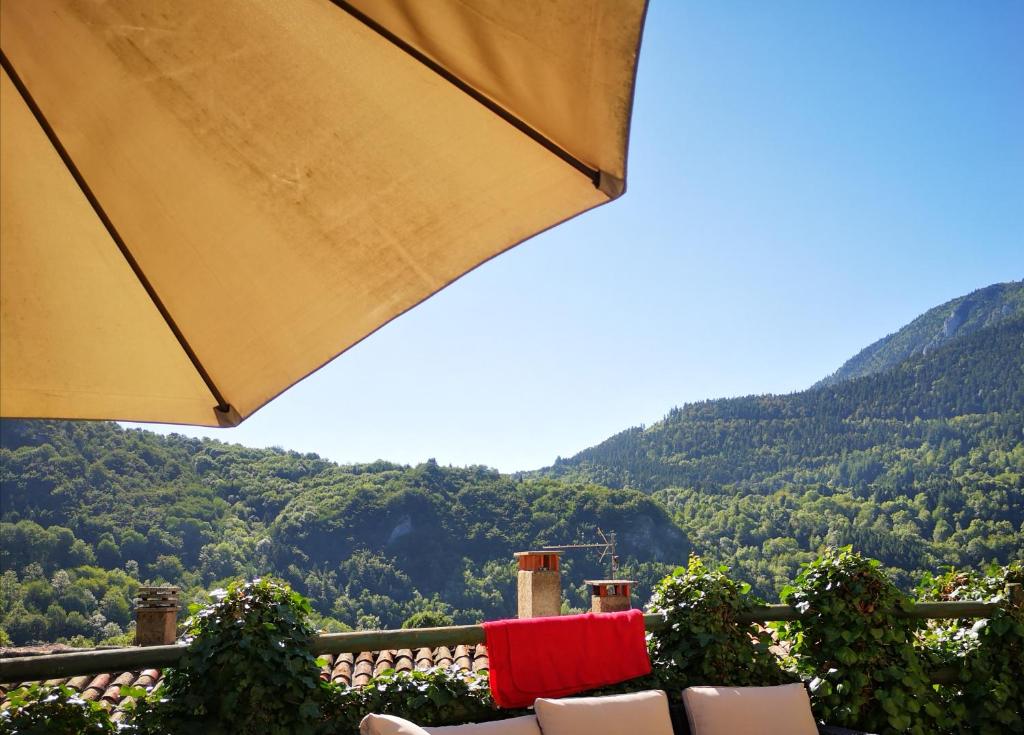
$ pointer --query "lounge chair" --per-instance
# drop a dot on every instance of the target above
(782, 710)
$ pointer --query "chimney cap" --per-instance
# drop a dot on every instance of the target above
(158, 598)
(609, 581)
(537, 553)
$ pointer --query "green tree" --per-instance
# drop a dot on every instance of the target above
(428, 619)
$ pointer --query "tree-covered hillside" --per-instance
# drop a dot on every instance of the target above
(90, 509)
(920, 466)
(950, 321)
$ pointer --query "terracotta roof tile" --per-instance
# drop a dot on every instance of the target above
(96, 687)
(424, 658)
(147, 678)
(443, 657)
(78, 683)
(363, 671)
(343, 668)
(403, 660)
(480, 657)
(112, 695)
(328, 667)
(343, 665)
(385, 661)
(463, 657)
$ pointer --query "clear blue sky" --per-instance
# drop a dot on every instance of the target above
(804, 179)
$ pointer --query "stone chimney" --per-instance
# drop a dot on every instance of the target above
(610, 595)
(156, 616)
(540, 584)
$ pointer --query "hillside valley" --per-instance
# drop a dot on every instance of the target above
(90, 508)
(919, 463)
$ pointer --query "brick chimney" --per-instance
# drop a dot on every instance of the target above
(156, 616)
(610, 595)
(540, 584)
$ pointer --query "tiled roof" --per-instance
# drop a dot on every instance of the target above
(344, 668)
(102, 688)
(357, 669)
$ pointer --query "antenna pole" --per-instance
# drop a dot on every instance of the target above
(607, 546)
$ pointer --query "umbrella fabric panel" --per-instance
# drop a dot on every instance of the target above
(80, 334)
(564, 67)
(287, 179)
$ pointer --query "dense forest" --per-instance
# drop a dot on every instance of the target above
(920, 465)
(90, 509)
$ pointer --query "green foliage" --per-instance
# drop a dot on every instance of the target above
(989, 653)
(431, 698)
(700, 606)
(86, 603)
(369, 545)
(851, 640)
(950, 321)
(42, 710)
(993, 674)
(248, 669)
(918, 466)
(428, 619)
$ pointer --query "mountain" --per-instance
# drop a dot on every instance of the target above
(747, 440)
(90, 509)
(921, 465)
(945, 323)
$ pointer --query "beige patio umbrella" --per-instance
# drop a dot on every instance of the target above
(203, 201)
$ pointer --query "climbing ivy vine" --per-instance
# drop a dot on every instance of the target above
(858, 652)
(701, 606)
(248, 669)
(989, 653)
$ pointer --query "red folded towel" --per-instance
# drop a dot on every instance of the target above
(555, 657)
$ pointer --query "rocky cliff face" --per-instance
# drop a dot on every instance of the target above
(950, 321)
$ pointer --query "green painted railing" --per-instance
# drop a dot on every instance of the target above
(98, 661)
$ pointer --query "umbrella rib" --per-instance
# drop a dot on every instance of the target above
(591, 173)
(222, 405)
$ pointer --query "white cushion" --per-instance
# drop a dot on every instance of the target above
(512, 726)
(780, 710)
(388, 725)
(640, 713)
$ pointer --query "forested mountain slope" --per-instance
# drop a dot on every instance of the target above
(920, 466)
(89, 509)
(950, 321)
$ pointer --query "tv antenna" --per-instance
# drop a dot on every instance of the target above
(607, 546)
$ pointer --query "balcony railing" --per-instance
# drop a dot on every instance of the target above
(59, 665)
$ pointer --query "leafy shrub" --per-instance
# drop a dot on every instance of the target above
(867, 673)
(990, 651)
(430, 698)
(41, 710)
(428, 619)
(701, 605)
(248, 669)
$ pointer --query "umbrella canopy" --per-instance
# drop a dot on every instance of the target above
(203, 202)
